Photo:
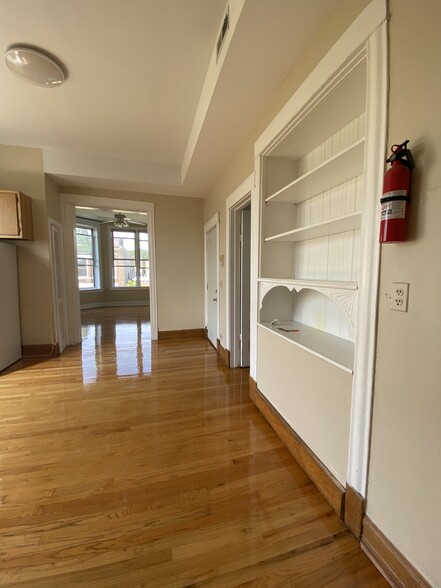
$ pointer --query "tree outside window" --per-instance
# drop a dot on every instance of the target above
(130, 258)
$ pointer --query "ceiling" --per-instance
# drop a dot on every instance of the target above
(146, 106)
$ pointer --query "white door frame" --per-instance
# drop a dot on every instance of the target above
(55, 307)
(240, 198)
(213, 223)
(68, 202)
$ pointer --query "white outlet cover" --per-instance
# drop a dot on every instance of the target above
(399, 296)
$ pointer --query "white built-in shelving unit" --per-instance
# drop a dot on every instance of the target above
(319, 172)
(311, 214)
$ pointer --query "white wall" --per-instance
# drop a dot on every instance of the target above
(405, 474)
(22, 169)
(241, 164)
(405, 468)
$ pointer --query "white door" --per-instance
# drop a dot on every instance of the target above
(56, 248)
(245, 262)
(212, 294)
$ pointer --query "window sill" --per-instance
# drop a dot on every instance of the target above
(91, 290)
(128, 288)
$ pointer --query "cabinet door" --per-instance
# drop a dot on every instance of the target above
(9, 226)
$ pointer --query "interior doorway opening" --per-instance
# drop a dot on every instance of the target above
(109, 276)
(211, 251)
(240, 281)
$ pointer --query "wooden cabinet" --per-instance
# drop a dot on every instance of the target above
(15, 216)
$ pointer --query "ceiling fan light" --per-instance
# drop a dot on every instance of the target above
(34, 67)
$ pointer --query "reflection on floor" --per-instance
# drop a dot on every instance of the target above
(125, 328)
(129, 463)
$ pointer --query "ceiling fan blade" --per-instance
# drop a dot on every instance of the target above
(132, 222)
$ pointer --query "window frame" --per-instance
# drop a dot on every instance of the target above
(96, 256)
(136, 230)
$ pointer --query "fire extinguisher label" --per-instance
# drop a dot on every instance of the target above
(394, 209)
(394, 194)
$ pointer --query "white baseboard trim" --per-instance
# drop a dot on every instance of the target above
(104, 304)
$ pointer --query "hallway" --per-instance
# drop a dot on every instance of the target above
(128, 463)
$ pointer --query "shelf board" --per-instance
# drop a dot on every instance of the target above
(340, 224)
(335, 350)
(343, 166)
(312, 283)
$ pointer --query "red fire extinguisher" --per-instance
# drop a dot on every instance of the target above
(396, 194)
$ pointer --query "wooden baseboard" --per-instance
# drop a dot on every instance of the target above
(252, 389)
(355, 506)
(397, 570)
(42, 350)
(223, 354)
(90, 305)
(181, 334)
(326, 483)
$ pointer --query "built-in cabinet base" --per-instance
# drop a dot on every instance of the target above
(347, 503)
(326, 483)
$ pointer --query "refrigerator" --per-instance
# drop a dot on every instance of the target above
(10, 340)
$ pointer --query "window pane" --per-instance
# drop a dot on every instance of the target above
(123, 234)
(84, 241)
(143, 246)
(124, 274)
(123, 245)
(85, 273)
(130, 258)
(84, 231)
(144, 275)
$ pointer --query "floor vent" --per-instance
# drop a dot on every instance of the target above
(223, 33)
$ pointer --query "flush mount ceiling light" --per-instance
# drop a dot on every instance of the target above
(34, 66)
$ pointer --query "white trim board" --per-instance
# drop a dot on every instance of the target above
(213, 223)
(366, 327)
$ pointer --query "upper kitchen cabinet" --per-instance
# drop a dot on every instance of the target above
(15, 216)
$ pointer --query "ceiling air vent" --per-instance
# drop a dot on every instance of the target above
(223, 33)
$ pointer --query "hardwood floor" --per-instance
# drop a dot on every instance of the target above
(126, 463)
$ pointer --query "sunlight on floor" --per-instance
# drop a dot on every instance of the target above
(132, 348)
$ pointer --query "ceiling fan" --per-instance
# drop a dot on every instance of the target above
(122, 221)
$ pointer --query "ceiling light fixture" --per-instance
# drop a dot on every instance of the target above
(34, 66)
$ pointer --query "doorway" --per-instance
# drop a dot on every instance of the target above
(69, 202)
(240, 283)
(58, 283)
(211, 233)
(241, 272)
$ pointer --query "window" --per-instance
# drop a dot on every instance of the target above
(130, 258)
(87, 258)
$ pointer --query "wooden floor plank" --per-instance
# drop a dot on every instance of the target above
(127, 463)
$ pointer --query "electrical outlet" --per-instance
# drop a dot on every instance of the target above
(399, 296)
